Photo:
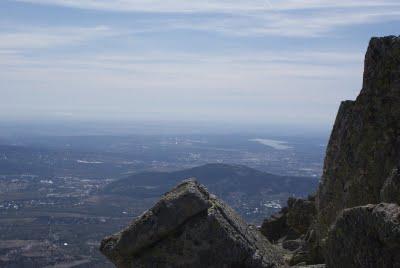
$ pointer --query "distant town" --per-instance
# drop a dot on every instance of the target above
(51, 188)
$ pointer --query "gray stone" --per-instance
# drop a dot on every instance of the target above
(364, 146)
(189, 227)
(301, 214)
(275, 227)
(390, 192)
(291, 222)
(366, 236)
(292, 245)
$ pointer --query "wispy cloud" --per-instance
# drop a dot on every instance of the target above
(47, 37)
(291, 25)
(153, 61)
(177, 72)
(269, 84)
(212, 5)
(292, 18)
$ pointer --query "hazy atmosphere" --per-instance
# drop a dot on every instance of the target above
(203, 134)
(235, 61)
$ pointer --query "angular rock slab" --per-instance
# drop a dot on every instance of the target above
(364, 146)
(366, 236)
(189, 227)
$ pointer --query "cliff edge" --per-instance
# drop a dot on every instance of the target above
(361, 168)
(364, 147)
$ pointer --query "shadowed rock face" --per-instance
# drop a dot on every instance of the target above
(300, 214)
(361, 167)
(390, 192)
(291, 222)
(364, 146)
(365, 237)
(276, 227)
(290, 229)
(189, 227)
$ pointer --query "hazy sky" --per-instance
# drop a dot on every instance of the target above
(289, 61)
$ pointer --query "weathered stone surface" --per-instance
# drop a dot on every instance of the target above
(310, 252)
(366, 236)
(292, 245)
(275, 227)
(291, 222)
(189, 227)
(364, 146)
(301, 214)
(362, 156)
(390, 192)
(290, 228)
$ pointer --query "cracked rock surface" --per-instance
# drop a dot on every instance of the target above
(365, 237)
(189, 227)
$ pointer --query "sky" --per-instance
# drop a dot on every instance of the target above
(260, 61)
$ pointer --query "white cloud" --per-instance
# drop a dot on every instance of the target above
(285, 24)
(223, 88)
(213, 5)
(279, 77)
(298, 18)
(46, 37)
(267, 84)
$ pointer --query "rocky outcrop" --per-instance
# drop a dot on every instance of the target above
(291, 222)
(364, 149)
(365, 237)
(276, 227)
(300, 214)
(289, 229)
(189, 227)
(361, 167)
(364, 146)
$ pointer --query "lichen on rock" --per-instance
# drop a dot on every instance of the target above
(189, 227)
(390, 192)
(365, 237)
(364, 146)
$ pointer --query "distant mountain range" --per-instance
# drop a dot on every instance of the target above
(252, 192)
(220, 179)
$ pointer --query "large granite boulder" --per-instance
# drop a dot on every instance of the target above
(365, 237)
(189, 227)
(364, 146)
